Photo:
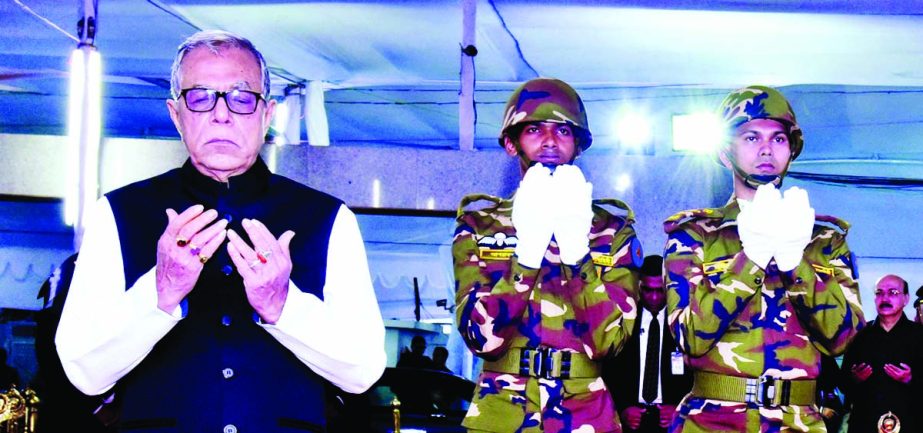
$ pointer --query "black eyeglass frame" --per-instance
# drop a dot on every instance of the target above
(221, 95)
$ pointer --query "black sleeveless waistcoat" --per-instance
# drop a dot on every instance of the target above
(217, 370)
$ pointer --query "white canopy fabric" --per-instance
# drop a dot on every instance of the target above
(392, 67)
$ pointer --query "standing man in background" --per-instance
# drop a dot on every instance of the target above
(760, 289)
(918, 306)
(883, 366)
(218, 296)
(546, 281)
(648, 378)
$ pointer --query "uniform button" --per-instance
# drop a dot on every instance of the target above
(227, 373)
(758, 281)
(226, 320)
(230, 428)
(228, 217)
(227, 269)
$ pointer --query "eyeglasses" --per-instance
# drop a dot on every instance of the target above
(202, 100)
(890, 292)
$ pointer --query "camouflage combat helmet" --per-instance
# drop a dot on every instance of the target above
(547, 100)
(761, 102)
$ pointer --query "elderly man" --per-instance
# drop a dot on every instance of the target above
(218, 296)
(759, 289)
(883, 366)
(546, 282)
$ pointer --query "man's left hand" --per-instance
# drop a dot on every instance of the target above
(573, 213)
(796, 226)
(666, 414)
(901, 374)
(266, 267)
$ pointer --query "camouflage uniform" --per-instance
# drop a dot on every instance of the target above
(503, 307)
(736, 320)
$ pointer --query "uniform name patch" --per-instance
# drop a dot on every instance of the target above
(717, 267)
(604, 260)
(823, 269)
(495, 254)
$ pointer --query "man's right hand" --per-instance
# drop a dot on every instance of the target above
(531, 217)
(631, 416)
(188, 241)
(861, 372)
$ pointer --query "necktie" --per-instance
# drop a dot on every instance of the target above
(651, 362)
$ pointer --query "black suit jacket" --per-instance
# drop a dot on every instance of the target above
(622, 373)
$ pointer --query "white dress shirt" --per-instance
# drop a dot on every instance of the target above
(106, 330)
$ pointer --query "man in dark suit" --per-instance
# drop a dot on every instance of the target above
(647, 380)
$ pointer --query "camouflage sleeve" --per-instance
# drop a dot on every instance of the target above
(702, 302)
(825, 294)
(491, 296)
(605, 303)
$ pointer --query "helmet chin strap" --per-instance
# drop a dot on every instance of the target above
(754, 181)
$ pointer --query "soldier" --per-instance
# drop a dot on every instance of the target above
(759, 289)
(547, 281)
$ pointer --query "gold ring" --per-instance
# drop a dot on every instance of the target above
(181, 241)
(203, 258)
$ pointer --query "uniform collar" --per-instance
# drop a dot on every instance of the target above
(728, 213)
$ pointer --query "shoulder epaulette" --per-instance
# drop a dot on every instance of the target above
(630, 216)
(680, 218)
(471, 198)
(834, 221)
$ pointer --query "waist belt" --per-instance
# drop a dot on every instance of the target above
(545, 362)
(765, 391)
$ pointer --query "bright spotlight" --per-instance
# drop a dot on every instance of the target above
(376, 193)
(633, 130)
(315, 115)
(84, 131)
(622, 182)
(697, 132)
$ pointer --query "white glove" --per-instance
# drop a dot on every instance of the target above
(795, 227)
(531, 216)
(573, 213)
(756, 224)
